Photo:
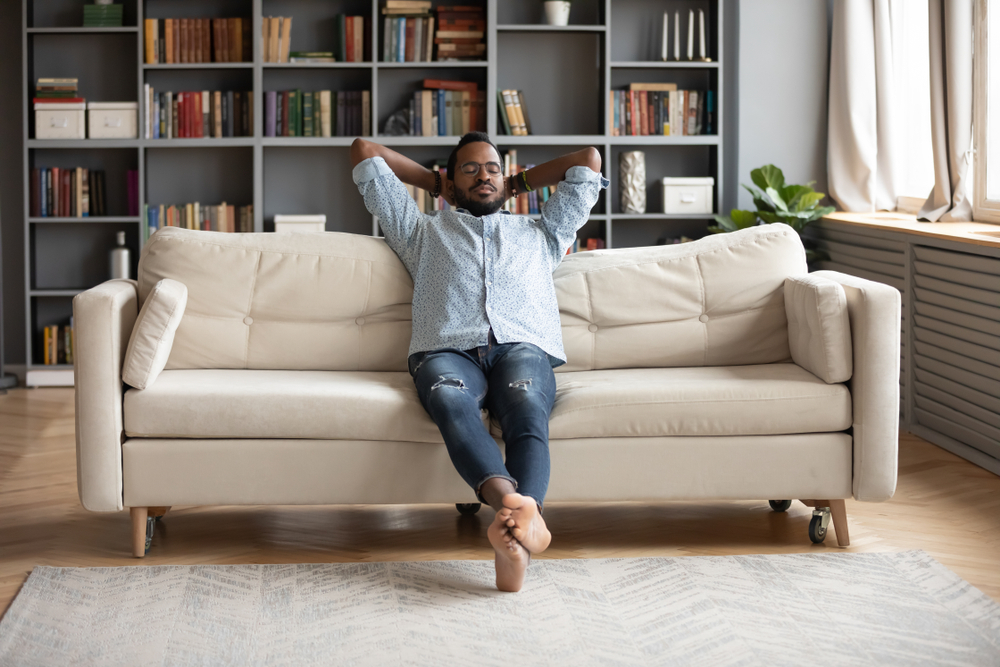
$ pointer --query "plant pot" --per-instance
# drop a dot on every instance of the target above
(557, 12)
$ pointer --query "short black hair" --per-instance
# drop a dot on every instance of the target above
(468, 139)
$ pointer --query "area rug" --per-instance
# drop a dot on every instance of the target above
(815, 609)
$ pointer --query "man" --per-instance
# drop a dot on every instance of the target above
(486, 330)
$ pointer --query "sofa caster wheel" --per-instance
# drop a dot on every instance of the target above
(150, 523)
(818, 524)
(780, 505)
(468, 508)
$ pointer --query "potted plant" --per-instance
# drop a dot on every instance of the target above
(776, 201)
(557, 12)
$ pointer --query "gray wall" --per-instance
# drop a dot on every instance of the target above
(775, 95)
(783, 66)
(11, 181)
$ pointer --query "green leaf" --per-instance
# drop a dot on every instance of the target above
(809, 200)
(792, 193)
(768, 176)
(725, 225)
(779, 203)
(743, 219)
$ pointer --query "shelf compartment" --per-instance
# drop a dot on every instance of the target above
(313, 181)
(85, 219)
(551, 28)
(661, 64)
(637, 29)
(307, 66)
(662, 161)
(66, 16)
(530, 15)
(314, 23)
(655, 230)
(206, 174)
(163, 66)
(539, 153)
(94, 59)
(397, 86)
(68, 258)
(432, 64)
(569, 104)
(115, 163)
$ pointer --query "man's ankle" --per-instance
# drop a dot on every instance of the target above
(494, 489)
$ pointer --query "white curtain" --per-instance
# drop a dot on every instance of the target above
(862, 156)
(950, 25)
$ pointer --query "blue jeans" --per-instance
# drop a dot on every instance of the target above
(515, 382)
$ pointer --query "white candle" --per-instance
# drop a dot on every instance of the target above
(701, 31)
(677, 35)
(690, 34)
(663, 55)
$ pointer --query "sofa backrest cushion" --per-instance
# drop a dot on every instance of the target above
(325, 301)
(718, 301)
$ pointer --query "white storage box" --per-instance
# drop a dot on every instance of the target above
(688, 195)
(60, 120)
(113, 120)
(293, 224)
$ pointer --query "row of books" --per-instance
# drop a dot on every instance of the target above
(321, 113)
(661, 109)
(528, 203)
(102, 16)
(211, 218)
(56, 89)
(57, 344)
(223, 40)
(582, 245)
(58, 192)
(411, 32)
(513, 112)
(447, 108)
(198, 114)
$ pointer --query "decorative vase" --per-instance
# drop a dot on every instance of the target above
(557, 12)
(632, 181)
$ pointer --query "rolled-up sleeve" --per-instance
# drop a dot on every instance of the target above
(568, 209)
(387, 198)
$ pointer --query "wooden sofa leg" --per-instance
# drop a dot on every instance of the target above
(139, 515)
(838, 508)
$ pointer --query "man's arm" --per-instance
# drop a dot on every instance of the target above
(405, 169)
(553, 171)
(567, 210)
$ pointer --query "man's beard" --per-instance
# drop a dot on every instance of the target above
(478, 207)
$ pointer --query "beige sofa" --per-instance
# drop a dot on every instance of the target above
(690, 375)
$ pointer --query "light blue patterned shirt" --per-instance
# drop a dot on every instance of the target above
(469, 273)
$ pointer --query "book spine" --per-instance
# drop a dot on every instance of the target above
(366, 113)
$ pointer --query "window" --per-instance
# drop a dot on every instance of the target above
(986, 112)
(912, 93)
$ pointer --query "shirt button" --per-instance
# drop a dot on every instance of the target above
(592, 327)
(487, 259)
(703, 318)
(488, 283)
(248, 321)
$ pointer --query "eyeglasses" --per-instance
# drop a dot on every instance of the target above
(472, 168)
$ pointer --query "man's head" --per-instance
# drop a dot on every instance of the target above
(472, 184)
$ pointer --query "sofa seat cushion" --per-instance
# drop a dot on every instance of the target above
(768, 399)
(227, 403)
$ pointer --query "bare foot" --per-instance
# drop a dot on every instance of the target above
(525, 523)
(511, 558)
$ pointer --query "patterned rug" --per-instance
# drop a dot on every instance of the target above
(822, 609)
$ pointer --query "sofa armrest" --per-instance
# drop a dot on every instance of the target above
(874, 311)
(103, 318)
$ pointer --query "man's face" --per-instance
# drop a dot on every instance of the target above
(481, 193)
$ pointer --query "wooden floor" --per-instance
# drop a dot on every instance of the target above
(943, 505)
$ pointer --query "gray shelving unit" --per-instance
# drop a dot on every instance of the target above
(566, 74)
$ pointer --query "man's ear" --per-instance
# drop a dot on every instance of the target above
(449, 188)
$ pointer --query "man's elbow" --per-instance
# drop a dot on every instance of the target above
(593, 159)
(361, 150)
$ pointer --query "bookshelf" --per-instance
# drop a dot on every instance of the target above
(566, 74)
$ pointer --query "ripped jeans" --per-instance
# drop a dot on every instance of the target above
(515, 382)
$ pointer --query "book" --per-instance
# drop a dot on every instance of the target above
(274, 35)
(450, 84)
(307, 114)
(286, 38)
